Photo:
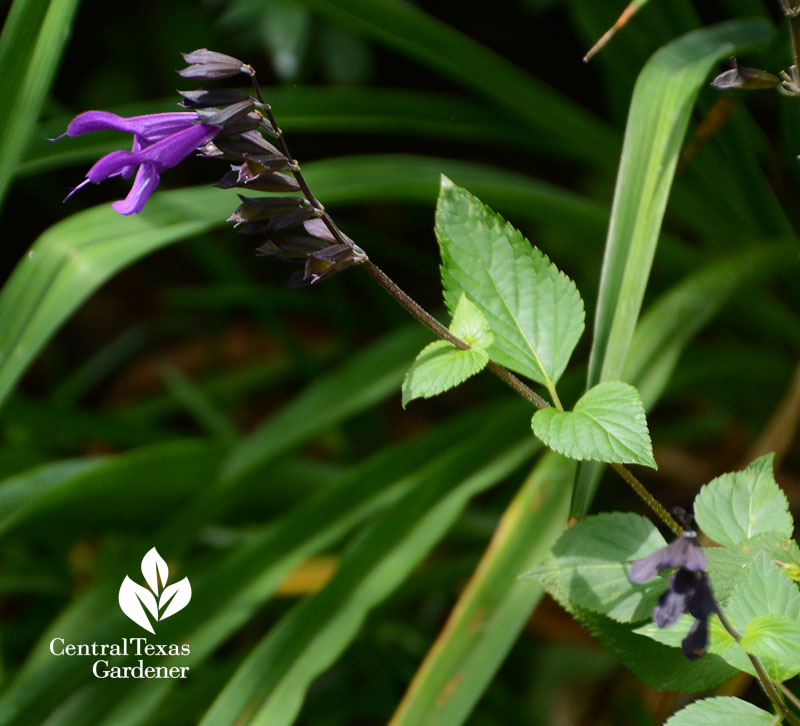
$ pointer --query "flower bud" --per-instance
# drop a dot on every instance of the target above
(748, 79)
(207, 65)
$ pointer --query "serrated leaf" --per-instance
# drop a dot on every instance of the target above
(764, 590)
(721, 709)
(608, 423)
(441, 366)
(588, 566)
(728, 565)
(534, 311)
(736, 506)
(774, 638)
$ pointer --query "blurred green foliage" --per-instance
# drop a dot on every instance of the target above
(164, 388)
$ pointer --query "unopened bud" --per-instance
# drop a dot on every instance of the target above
(748, 79)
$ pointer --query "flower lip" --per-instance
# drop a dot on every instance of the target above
(148, 128)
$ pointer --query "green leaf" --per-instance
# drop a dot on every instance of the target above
(607, 424)
(534, 311)
(31, 44)
(719, 641)
(494, 606)
(659, 115)
(721, 709)
(764, 590)
(588, 566)
(728, 565)
(739, 505)
(441, 366)
(774, 638)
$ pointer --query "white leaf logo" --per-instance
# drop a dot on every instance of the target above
(161, 600)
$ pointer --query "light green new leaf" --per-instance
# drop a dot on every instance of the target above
(774, 638)
(607, 424)
(534, 311)
(469, 324)
(441, 366)
(739, 505)
(588, 566)
(721, 709)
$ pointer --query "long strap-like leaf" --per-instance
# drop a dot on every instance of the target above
(659, 115)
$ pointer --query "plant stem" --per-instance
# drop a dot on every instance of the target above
(791, 12)
(648, 498)
(433, 324)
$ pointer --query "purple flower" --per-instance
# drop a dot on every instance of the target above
(160, 141)
(688, 590)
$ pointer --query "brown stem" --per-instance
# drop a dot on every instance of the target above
(648, 498)
(429, 321)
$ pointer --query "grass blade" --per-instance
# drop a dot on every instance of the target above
(659, 115)
(274, 678)
(494, 606)
(30, 49)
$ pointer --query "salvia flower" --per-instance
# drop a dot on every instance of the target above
(160, 141)
(688, 589)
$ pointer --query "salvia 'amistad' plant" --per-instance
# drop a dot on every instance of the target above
(732, 606)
